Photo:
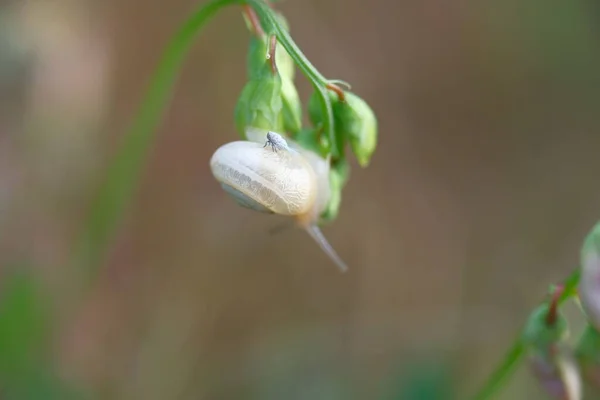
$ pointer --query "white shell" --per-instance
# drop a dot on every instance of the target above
(281, 181)
(319, 165)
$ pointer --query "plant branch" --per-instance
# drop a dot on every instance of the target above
(271, 24)
(516, 352)
(338, 91)
(272, 49)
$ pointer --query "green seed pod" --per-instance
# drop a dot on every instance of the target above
(548, 354)
(260, 102)
(587, 354)
(589, 284)
(539, 332)
(358, 123)
(354, 120)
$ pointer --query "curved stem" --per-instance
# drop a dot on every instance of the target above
(123, 171)
(517, 350)
(271, 24)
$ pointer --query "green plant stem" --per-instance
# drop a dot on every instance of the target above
(270, 24)
(122, 175)
(503, 371)
(516, 352)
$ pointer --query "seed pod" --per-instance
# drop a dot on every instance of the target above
(355, 122)
(358, 121)
(548, 354)
(544, 328)
(589, 283)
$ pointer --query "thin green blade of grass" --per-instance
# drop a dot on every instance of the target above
(124, 171)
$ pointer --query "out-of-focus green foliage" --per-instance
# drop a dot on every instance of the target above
(25, 373)
(421, 380)
(23, 324)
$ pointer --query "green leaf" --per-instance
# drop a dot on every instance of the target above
(257, 57)
(260, 103)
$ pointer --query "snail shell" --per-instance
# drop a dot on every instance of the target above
(287, 180)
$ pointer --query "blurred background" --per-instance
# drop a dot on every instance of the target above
(484, 184)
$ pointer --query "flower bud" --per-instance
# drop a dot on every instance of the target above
(589, 283)
(354, 121)
(548, 354)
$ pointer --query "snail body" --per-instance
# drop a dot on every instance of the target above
(284, 179)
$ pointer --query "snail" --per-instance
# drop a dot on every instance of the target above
(270, 174)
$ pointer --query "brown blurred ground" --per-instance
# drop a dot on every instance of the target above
(482, 188)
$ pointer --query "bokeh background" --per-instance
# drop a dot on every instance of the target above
(484, 184)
